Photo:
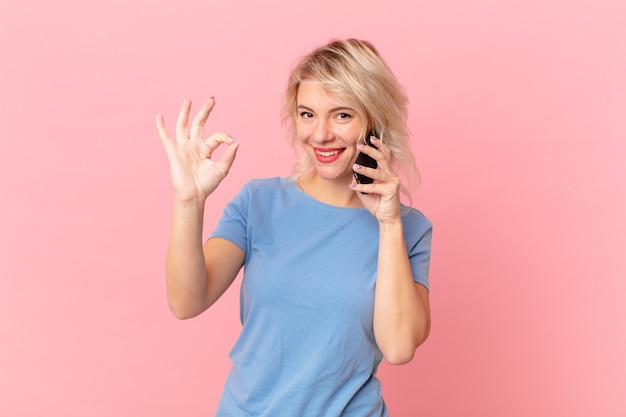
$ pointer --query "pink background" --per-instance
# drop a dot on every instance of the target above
(518, 112)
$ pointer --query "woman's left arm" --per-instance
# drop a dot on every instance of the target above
(401, 305)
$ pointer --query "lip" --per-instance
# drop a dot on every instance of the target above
(328, 155)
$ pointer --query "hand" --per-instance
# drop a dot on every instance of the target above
(382, 197)
(194, 174)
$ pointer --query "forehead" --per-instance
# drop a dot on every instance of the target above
(314, 93)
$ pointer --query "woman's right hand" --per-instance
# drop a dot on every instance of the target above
(194, 174)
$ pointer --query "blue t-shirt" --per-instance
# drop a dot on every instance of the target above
(307, 344)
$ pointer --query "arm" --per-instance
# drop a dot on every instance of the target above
(195, 276)
(401, 306)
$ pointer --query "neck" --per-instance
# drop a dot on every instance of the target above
(331, 192)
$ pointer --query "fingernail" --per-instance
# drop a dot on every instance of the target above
(352, 185)
(356, 166)
(360, 145)
(230, 140)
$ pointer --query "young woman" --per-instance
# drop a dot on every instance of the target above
(335, 270)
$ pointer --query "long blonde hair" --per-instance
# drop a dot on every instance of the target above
(356, 73)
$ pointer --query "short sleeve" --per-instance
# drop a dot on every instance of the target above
(418, 235)
(233, 225)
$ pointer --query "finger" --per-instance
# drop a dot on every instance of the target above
(182, 131)
(163, 134)
(369, 150)
(380, 174)
(227, 159)
(379, 153)
(372, 173)
(216, 139)
(382, 189)
(380, 146)
(374, 141)
(197, 125)
(358, 187)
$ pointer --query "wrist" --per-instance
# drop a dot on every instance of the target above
(194, 204)
(394, 225)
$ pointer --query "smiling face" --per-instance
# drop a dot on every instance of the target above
(328, 130)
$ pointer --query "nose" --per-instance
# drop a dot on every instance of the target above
(322, 131)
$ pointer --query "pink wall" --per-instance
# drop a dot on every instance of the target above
(518, 112)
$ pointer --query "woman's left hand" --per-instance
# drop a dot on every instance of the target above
(382, 197)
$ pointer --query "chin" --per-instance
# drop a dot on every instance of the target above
(334, 175)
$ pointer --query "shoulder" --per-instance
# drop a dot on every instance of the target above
(417, 227)
(265, 190)
(263, 184)
(415, 218)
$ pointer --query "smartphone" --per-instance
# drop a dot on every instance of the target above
(366, 161)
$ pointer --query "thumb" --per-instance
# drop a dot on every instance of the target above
(227, 159)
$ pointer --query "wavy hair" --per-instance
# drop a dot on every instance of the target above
(356, 73)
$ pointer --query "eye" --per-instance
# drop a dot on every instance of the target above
(344, 116)
(306, 114)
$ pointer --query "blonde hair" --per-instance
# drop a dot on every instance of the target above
(356, 73)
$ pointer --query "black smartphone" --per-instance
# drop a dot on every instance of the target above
(366, 161)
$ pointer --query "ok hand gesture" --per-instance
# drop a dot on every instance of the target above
(194, 174)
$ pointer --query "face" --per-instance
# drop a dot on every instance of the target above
(328, 129)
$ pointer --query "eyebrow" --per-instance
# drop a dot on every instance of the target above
(334, 109)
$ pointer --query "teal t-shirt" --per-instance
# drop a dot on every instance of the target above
(307, 344)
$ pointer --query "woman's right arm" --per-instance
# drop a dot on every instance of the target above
(196, 276)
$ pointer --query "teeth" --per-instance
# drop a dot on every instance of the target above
(331, 153)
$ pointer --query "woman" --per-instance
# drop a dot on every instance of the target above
(335, 270)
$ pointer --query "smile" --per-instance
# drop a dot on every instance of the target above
(326, 155)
